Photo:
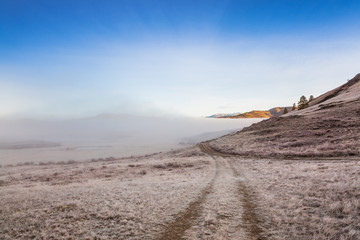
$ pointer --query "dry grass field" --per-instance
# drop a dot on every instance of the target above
(113, 199)
(182, 194)
(305, 199)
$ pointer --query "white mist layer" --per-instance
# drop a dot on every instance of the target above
(105, 136)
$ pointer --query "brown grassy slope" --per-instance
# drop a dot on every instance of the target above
(335, 92)
(253, 114)
(330, 127)
(274, 112)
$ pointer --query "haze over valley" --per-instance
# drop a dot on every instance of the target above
(104, 136)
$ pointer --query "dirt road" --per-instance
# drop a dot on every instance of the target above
(225, 209)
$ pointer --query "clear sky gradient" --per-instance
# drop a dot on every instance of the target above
(69, 59)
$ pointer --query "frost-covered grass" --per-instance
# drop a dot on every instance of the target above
(118, 199)
(305, 199)
(137, 198)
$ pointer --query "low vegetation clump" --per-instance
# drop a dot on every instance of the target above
(171, 165)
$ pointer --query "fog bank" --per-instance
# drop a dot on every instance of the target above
(104, 136)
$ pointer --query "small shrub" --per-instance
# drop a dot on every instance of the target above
(188, 165)
(66, 207)
(70, 162)
(161, 166)
(173, 165)
(110, 159)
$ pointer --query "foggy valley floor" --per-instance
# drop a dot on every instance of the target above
(190, 193)
(105, 136)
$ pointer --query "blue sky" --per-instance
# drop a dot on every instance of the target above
(65, 59)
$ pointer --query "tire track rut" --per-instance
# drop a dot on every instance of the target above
(249, 217)
(186, 218)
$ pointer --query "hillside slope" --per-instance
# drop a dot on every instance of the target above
(330, 127)
(274, 112)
